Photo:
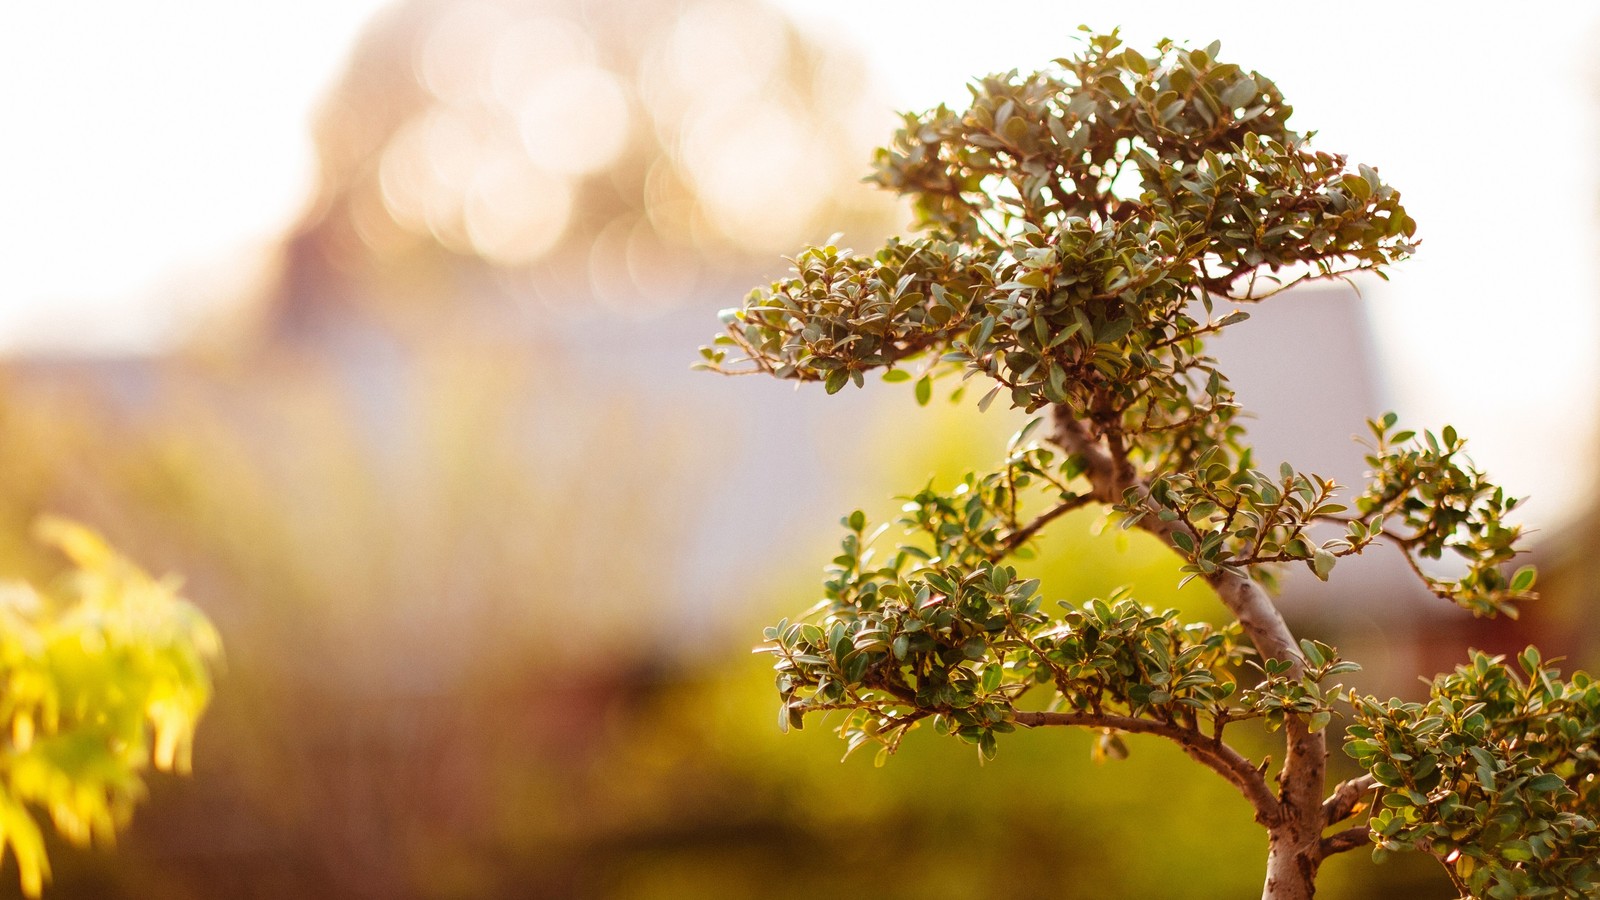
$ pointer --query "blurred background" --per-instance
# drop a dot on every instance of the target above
(373, 320)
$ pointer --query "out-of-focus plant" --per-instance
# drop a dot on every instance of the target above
(1081, 226)
(379, 473)
(102, 675)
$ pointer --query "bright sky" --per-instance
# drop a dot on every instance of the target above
(148, 149)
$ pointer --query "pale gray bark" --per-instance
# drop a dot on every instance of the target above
(1295, 848)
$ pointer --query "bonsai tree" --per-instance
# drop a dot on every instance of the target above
(100, 677)
(1082, 231)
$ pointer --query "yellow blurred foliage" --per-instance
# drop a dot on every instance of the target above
(104, 675)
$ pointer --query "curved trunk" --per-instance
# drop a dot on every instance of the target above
(1295, 835)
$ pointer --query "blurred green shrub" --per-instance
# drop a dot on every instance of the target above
(103, 675)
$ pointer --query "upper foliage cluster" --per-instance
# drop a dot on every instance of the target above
(101, 677)
(1076, 221)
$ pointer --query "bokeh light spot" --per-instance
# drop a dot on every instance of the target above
(516, 212)
(575, 120)
(749, 164)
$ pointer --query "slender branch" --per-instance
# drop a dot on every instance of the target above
(735, 372)
(1211, 327)
(1305, 762)
(1290, 557)
(1246, 600)
(1022, 535)
(1416, 567)
(1399, 540)
(1259, 617)
(1219, 757)
(1402, 542)
(1054, 482)
(1268, 521)
(1346, 799)
(1199, 414)
(1348, 839)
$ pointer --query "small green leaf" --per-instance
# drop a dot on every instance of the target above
(1313, 653)
(1113, 331)
(1546, 783)
(1523, 579)
(1021, 437)
(1357, 186)
(1322, 563)
(1239, 95)
(1065, 334)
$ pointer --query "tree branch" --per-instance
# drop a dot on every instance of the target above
(1022, 535)
(1348, 839)
(1306, 760)
(1214, 754)
(1300, 781)
(1259, 617)
(1244, 598)
(1072, 436)
(1343, 802)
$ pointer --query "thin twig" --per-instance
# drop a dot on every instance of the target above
(1022, 535)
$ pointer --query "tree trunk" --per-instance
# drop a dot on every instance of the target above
(1295, 834)
(1294, 848)
(1292, 860)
